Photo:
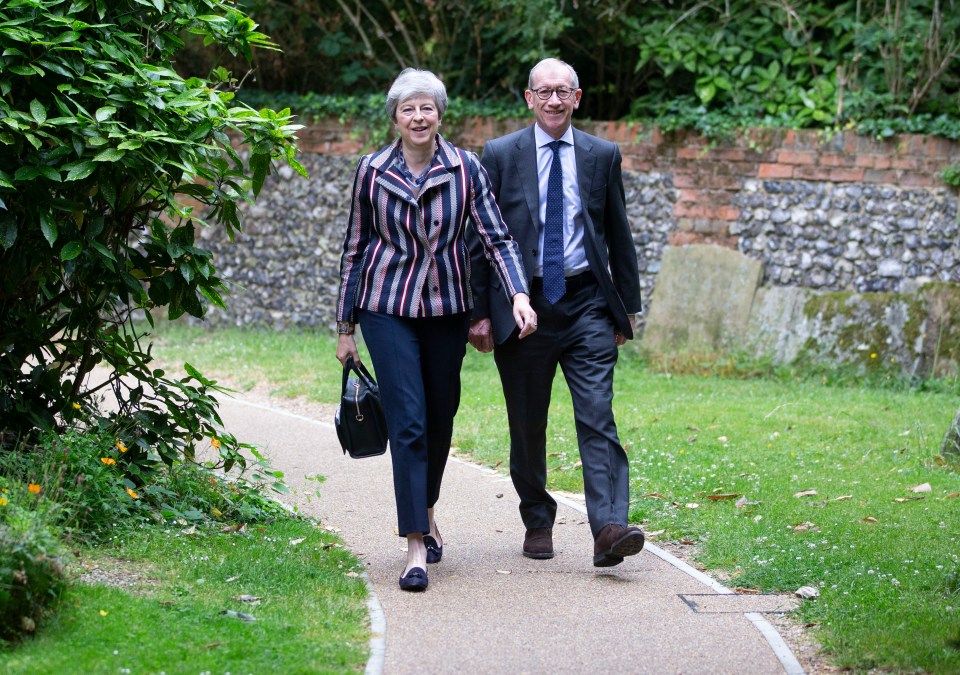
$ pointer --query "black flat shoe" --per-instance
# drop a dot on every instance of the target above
(434, 551)
(414, 580)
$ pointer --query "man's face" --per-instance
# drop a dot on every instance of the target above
(553, 114)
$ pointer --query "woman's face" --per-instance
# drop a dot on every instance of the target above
(418, 120)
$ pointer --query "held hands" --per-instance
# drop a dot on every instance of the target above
(620, 337)
(346, 347)
(481, 335)
(524, 315)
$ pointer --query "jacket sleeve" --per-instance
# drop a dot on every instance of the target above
(623, 253)
(491, 245)
(355, 241)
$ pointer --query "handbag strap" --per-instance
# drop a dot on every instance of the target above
(360, 370)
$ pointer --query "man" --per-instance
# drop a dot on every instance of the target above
(569, 218)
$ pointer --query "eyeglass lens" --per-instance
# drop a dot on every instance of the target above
(545, 93)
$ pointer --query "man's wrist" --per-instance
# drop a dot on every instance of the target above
(345, 328)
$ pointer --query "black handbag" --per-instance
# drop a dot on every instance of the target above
(360, 422)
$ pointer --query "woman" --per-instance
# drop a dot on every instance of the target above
(405, 278)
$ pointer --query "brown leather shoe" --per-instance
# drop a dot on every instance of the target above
(538, 543)
(614, 542)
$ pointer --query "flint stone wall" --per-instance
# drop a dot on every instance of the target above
(843, 214)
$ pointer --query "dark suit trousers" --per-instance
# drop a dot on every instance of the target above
(577, 334)
(417, 364)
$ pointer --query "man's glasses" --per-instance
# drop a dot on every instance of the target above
(544, 93)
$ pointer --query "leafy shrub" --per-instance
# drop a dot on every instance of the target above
(93, 488)
(32, 572)
(110, 162)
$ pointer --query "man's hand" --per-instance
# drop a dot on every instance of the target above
(481, 335)
(620, 338)
(524, 315)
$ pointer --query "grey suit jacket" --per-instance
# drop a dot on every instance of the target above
(511, 163)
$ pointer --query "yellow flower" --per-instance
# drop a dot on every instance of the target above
(103, 612)
(213, 481)
(109, 461)
(33, 488)
(121, 447)
(215, 443)
(76, 406)
(3, 501)
(133, 494)
(873, 356)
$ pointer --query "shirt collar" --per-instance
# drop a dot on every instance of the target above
(542, 137)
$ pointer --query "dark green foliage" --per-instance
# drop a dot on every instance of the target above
(109, 162)
(711, 65)
(32, 573)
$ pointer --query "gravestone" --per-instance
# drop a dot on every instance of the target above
(702, 301)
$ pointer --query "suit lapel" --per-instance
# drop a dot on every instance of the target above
(526, 160)
(586, 165)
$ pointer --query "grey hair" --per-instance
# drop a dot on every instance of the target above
(574, 80)
(412, 82)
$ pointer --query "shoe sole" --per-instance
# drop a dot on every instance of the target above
(629, 544)
(538, 556)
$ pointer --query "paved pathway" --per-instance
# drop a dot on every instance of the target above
(489, 609)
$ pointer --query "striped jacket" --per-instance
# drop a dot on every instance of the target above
(407, 256)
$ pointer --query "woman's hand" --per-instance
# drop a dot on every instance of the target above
(347, 347)
(524, 315)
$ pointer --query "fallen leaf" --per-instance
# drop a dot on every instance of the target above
(687, 542)
(691, 438)
(841, 499)
(247, 598)
(741, 502)
(805, 527)
(807, 592)
(717, 498)
(923, 487)
(805, 493)
(693, 427)
(939, 460)
(746, 591)
(352, 574)
(693, 505)
(901, 500)
(870, 519)
(211, 645)
(654, 495)
(655, 533)
(952, 495)
(231, 579)
(190, 531)
(722, 439)
(239, 528)
(243, 616)
(294, 542)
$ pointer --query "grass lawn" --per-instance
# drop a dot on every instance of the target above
(172, 604)
(780, 482)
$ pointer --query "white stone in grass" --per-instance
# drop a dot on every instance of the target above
(807, 592)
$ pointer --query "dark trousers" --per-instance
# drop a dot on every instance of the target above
(577, 334)
(417, 364)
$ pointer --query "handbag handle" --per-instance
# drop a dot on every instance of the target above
(358, 368)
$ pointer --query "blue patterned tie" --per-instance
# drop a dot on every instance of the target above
(554, 285)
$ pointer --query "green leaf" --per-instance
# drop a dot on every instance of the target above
(71, 251)
(38, 111)
(8, 232)
(105, 113)
(80, 170)
(49, 228)
(110, 155)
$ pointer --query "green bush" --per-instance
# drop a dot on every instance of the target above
(93, 488)
(32, 571)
